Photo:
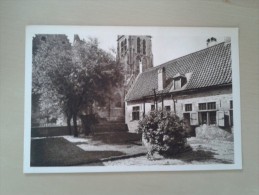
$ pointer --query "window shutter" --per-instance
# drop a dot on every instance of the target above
(131, 116)
(194, 118)
(227, 119)
(221, 118)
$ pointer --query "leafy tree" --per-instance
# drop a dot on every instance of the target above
(96, 73)
(71, 78)
(50, 52)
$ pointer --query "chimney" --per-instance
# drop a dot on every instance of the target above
(211, 41)
(76, 38)
(161, 78)
(227, 40)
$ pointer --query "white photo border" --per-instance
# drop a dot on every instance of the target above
(119, 30)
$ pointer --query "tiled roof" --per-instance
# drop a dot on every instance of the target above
(209, 67)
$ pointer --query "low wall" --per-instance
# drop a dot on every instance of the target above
(49, 131)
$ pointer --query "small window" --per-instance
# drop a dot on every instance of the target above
(202, 106)
(211, 105)
(135, 113)
(188, 107)
(152, 107)
(168, 108)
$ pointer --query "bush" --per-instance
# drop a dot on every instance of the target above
(163, 132)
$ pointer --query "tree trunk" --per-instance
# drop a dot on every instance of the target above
(75, 125)
(69, 124)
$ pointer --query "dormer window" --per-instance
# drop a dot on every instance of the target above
(179, 81)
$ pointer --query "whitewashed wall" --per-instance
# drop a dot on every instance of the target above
(222, 98)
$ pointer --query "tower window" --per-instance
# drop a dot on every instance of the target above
(125, 45)
(144, 47)
(138, 45)
(122, 48)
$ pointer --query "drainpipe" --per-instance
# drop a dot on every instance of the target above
(174, 103)
(144, 109)
(155, 100)
(162, 102)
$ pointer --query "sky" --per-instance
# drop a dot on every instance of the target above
(164, 47)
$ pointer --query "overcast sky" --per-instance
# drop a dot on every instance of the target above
(164, 47)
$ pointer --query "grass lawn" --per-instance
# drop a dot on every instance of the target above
(60, 152)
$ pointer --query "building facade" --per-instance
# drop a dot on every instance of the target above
(197, 87)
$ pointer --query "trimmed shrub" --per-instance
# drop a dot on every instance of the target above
(163, 132)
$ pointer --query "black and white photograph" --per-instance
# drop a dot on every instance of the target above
(122, 99)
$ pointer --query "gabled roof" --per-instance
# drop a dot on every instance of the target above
(209, 67)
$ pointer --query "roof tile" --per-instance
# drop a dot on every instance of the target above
(209, 67)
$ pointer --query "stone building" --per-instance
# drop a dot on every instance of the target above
(135, 54)
(197, 87)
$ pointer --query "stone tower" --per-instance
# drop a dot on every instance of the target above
(135, 53)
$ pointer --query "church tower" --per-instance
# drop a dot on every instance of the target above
(135, 53)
